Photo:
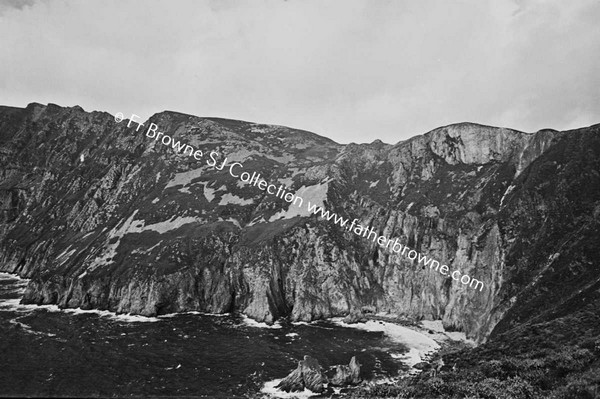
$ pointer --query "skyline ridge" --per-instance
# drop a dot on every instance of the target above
(216, 118)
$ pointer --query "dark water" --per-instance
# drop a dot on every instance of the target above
(46, 352)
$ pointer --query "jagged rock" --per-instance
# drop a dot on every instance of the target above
(346, 375)
(354, 370)
(308, 375)
(294, 382)
(312, 374)
(342, 376)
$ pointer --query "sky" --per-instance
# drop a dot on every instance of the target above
(350, 70)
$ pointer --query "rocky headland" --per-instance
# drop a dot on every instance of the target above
(99, 216)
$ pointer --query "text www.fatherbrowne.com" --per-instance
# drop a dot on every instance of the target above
(280, 192)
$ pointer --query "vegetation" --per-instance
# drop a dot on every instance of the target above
(557, 359)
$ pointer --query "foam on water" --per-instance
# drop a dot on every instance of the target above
(253, 323)
(420, 345)
(269, 389)
(15, 305)
(200, 348)
(192, 312)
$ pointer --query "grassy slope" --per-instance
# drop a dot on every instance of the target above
(555, 359)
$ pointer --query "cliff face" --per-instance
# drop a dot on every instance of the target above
(101, 216)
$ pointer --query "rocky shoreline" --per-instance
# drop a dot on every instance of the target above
(310, 375)
(310, 379)
(133, 227)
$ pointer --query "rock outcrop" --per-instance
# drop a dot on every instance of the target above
(422, 366)
(308, 374)
(98, 215)
(346, 375)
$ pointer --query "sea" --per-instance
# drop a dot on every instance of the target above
(50, 352)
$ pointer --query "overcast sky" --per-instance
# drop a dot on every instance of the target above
(354, 71)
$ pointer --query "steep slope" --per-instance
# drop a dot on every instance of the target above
(546, 341)
(99, 215)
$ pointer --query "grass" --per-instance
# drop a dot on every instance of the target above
(557, 359)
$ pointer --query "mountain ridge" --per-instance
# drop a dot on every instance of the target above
(216, 119)
(137, 228)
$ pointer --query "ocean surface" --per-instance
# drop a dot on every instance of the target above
(45, 351)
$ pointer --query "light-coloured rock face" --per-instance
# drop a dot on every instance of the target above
(134, 227)
(475, 144)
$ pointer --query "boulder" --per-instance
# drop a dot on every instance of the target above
(346, 375)
(293, 382)
(422, 366)
(342, 376)
(308, 374)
